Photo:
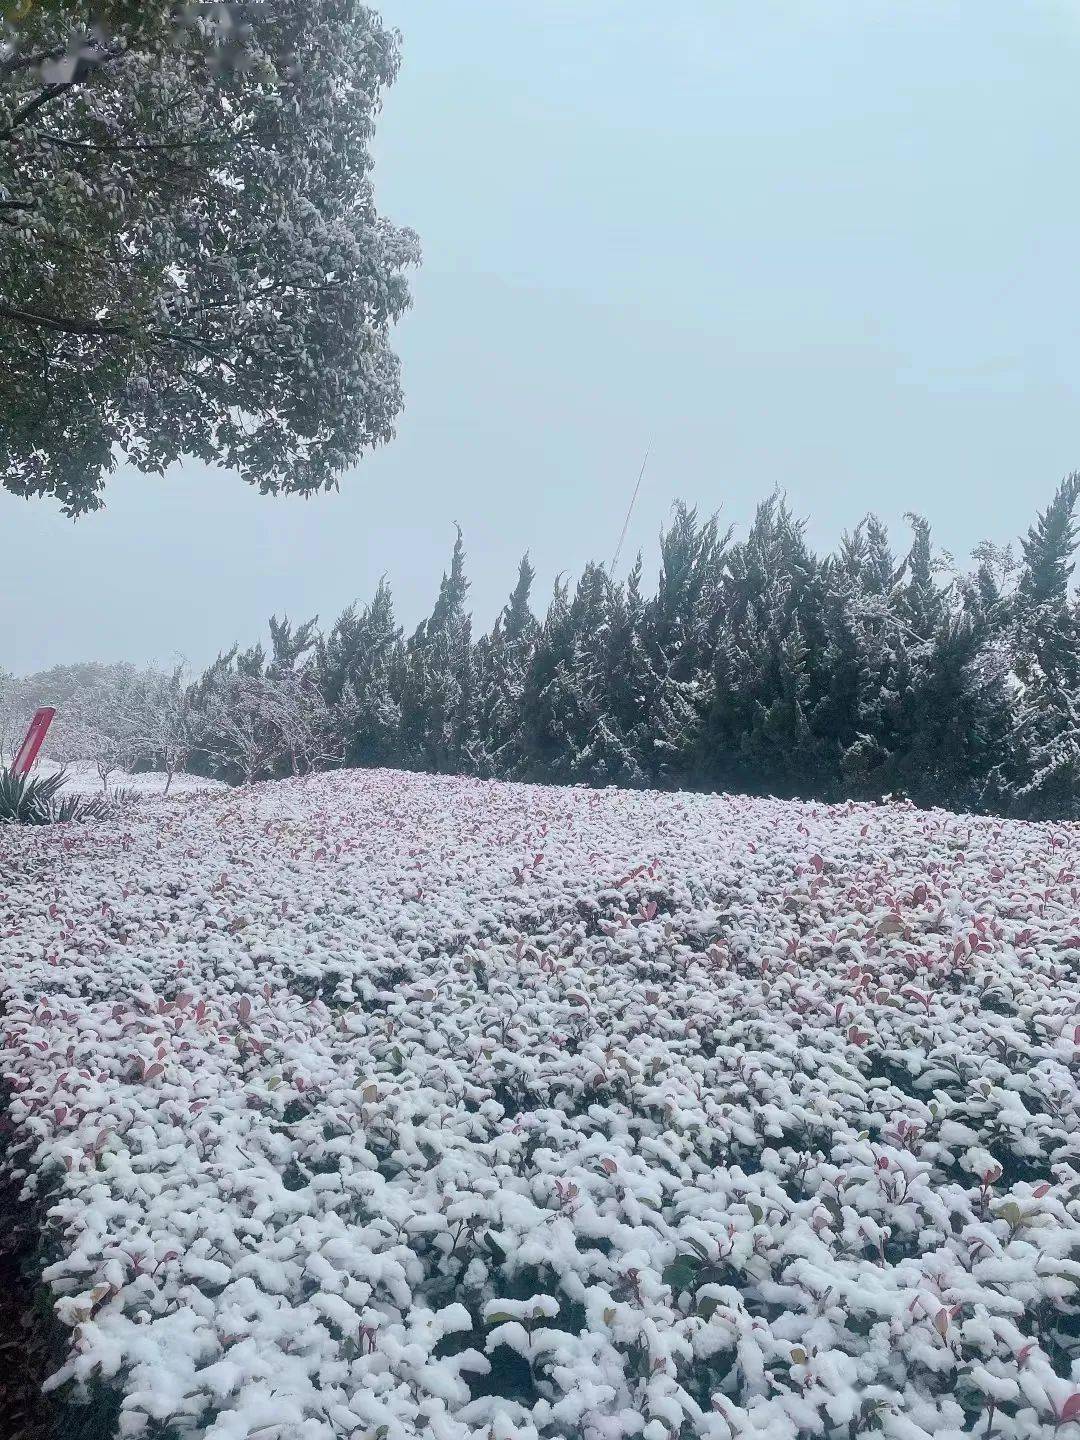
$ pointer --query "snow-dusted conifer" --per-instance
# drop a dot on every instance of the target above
(1046, 735)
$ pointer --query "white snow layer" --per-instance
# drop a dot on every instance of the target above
(80, 778)
(383, 1105)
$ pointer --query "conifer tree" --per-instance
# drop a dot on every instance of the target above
(437, 678)
(620, 744)
(288, 646)
(356, 666)
(545, 742)
(576, 697)
(679, 640)
(956, 720)
(754, 666)
(1045, 748)
(502, 661)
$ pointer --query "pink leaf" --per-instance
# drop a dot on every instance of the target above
(1041, 1190)
(1071, 1409)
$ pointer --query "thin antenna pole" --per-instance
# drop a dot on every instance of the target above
(630, 511)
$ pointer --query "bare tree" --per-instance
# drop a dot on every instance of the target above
(14, 715)
(162, 721)
(237, 732)
(96, 726)
(302, 721)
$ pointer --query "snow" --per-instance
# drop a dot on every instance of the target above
(374, 1104)
(82, 779)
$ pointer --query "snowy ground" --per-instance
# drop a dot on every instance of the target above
(381, 1106)
(82, 779)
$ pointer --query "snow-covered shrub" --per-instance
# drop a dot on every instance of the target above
(372, 1105)
(36, 800)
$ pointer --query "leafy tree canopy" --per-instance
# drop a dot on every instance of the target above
(191, 261)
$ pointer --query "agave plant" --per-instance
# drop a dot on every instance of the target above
(35, 800)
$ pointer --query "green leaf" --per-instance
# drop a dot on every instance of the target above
(832, 1205)
(500, 1318)
(757, 1214)
(798, 1355)
(1010, 1212)
(968, 1393)
(494, 1247)
(681, 1272)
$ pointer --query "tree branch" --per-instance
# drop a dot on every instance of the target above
(45, 97)
(39, 319)
(16, 62)
(95, 58)
(73, 325)
(134, 144)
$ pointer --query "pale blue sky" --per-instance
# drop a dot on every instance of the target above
(824, 244)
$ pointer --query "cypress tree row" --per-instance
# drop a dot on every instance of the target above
(755, 665)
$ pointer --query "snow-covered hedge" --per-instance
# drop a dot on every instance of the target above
(380, 1106)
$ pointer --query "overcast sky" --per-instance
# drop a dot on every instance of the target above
(829, 245)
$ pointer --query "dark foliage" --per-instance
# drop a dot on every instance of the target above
(756, 666)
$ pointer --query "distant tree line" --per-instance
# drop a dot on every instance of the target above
(754, 665)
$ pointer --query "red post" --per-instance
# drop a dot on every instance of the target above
(28, 750)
